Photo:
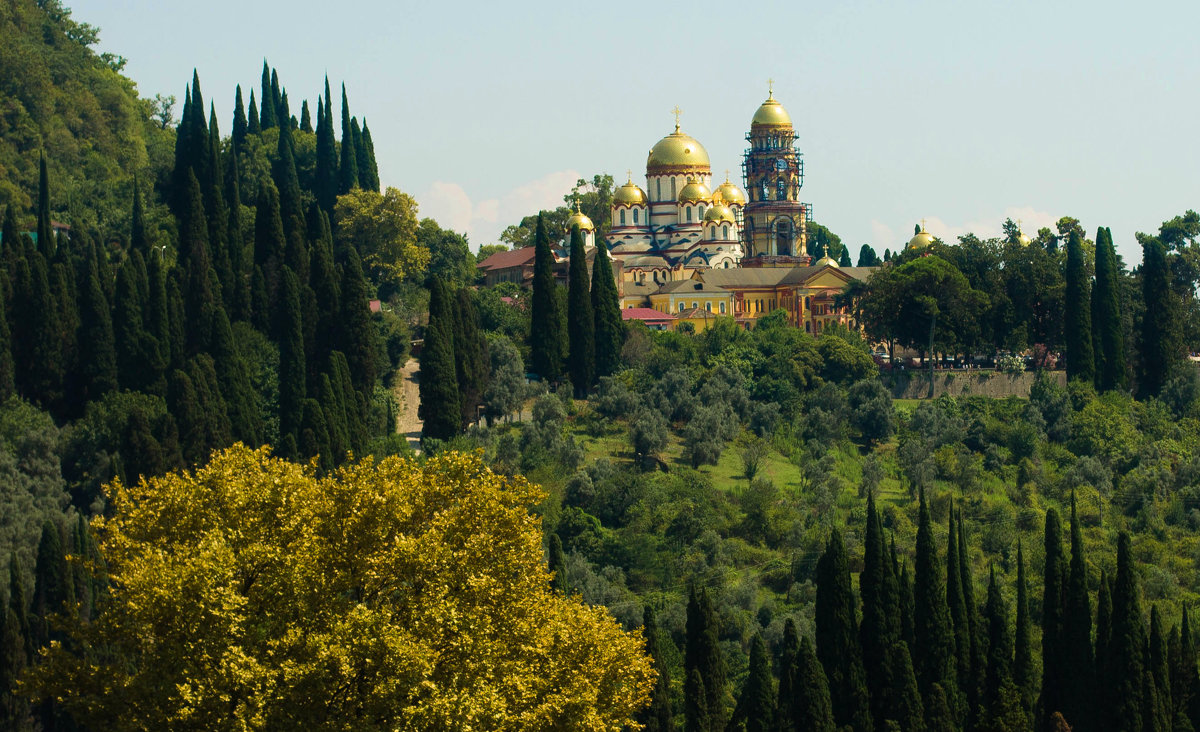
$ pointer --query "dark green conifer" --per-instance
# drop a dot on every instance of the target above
(811, 706)
(440, 402)
(784, 700)
(1185, 682)
(240, 129)
(327, 160)
(844, 259)
(358, 333)
(1126, 666)
(658, 717)
(211, 429)
(1160, 671)
(998, 681)
(609, 330)
(976, 627)
(277, 98)
(557, 563)
(580, 323)
(1023, 670)
(368, 175)
(10, 238)
(1106, 316)
(837, 638)
(14, 710)
(260, 302)
(907, 604)
(291, 210)
(97, 350)
(237, 291)
(269, 110)
(253, 124)
(270, 242)
(53, 589)
(958, 611)
(348, 171)
(938, 714)
(905, 708)
(7, 382)
(323, 277)
(1079, 687)
(1103, 632)
(139, 241)
(933, 650)
(200, 298)
(880, 627)
(234, 379)
(470, 356)
(1077, 315)
(334, 408)
(1160, 350)
(1053, 603)
(45, 231)
(293, 370)
(305, 118)
(547, 339)
(355, 403)
(360, 151)
(703, 656)
(176, 319)
(314, 435)
(755, 707)
(695, 704)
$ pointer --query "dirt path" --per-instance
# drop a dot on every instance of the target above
(407, 395)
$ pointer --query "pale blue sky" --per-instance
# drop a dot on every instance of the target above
(957, 112)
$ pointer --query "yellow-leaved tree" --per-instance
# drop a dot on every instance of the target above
(253, 595)
(383, 229)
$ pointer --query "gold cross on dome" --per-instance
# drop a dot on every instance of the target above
(727, 175)
(629, 174)
(922, 224)
(1019, 222)
(677, 111)
(770, 87)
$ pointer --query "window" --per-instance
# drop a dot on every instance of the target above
(659, 183)
(780, 189)
(695, 305)
(681, 306)
(622, 217)
(674, 196)
(635, 216)
(722, 308)
(702, 211)
(725, 231)
(688, 209)
(708, 306)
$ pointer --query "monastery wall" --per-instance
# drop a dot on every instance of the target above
(915, 384)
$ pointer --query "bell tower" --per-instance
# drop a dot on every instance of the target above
(775, 220)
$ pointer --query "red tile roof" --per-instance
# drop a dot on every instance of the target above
(510, 258)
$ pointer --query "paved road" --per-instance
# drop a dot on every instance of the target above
(407, 395)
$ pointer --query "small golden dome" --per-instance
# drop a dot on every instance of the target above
(677, 153)
(1022, 239)
(730, 194)
(719, 213)
(695, 192)
(922, 240)
(826, 260)
(771, 114)
(629, 195)
(579, 219)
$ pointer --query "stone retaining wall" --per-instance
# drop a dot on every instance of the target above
(981, 382)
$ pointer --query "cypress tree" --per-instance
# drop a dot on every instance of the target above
(976, 628)
(439, 384)
(933, 651)
(1023, 671)
(703, 656)
(1160, 330)
(293, 370)
(234, 379)
(784, 701)
(999, 663)
(837, 640)
(334, 407)
(557, 563)
(269, 239)
(200, 299)
(1053, 594)
(305, 118)
(1077, 315)
(907, 605)
(580, 323)
(253, 124)
(1079, 686)
(291, 210)
(1103, 634)
(10, 238)
(695, 707)
(546, 336)
(45, 231)
(957, 611)
(1106, 316)
(213, 428)
(811, 706)
(903, 696)
(1160, 671)
(314, 435)
(357, 330)
(269, 103)
(214, 201)
(867, 257)
(360, 151)
(368, 176)
(97, 351)
(53, 588)
(1126, 655)
(327, 160)
(176, 318)
(348, 172)
(277, 99)
(609, 331)
(844, 260)
(183, 160)
(138, 239)
(240, 127)
(236, 292)
(1186, 682)
(880, 627)
(756, 705)
(14, 710)
(471, 357)
(938, 714)
(323, 277)
(61, 325)
(7, 380)
(658, 716)
(18, 602)
(157, 321)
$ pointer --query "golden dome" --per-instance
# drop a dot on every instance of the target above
(719, 213)
(826, 260)
(1022, 239)
(579, 219)
(771, 114)
(730, 194)
(629, 195)
(677, 153)
(921, 240)
(695, 192)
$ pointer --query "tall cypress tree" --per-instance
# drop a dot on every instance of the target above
(580, 324)
(880, 627)
(1079, 687)
(97, 351)
(976, 628)
(240, 128)
(53, 585)
(360, 152)
(270, 242)
(368, 175)
(695, 700)
(139, 241)
(305, 118)
(45, 230)
(1023, 671)
(157, 321)
(1103, 635)
(357, 330)
(1106, 316)
(703, 656)
(348, 172)
(755, 708)
(812, 709)
(547, 341)
(837, 638)
(323, 277)
(291, 208)
(10, 239)
(958, 612)
(1159, 667)
(200, 299)
(784, 701)
(439, 384)
(1053, 603)
(657, 717)
(14, 710)
(277, 98)
(470, 356)
(609, 330)
(327, 160)
(1160, 329)
(1186, 692)
(253, 123)
(234, 379)
(268, 117)
(237, 291)
(293, 369)
(1077, 314)
(1126, 654)
(933, 650)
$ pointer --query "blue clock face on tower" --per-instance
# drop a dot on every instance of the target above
(780, 164)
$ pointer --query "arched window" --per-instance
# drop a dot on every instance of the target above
(702, 211)
(635, 215)
(681, 306)
(622, 217)
(722, 306)
(695, 305)
(708, 306)
(688, 211)
(659, 183)
(725, 231)
(780, 189)
(674, 196)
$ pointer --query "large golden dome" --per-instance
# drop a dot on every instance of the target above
(695, 192)
(629, 195)
(581, 220)
(729, 194)
(921, 240)
(719, 213)
(677, 153)
(771, 114)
